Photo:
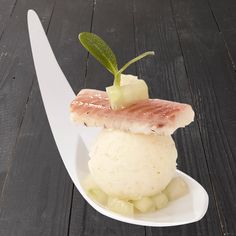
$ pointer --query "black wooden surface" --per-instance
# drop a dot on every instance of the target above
(195, 45)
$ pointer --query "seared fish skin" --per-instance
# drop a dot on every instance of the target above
(151, 116)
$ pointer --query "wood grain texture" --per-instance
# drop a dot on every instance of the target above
(213, 87)
(16, 76)
(224, 15)
(69, 19)
(6, 10)
(224, 12)
(37, 195)
(118, 32)
(167, 79)
(230, 43)
(113, 21)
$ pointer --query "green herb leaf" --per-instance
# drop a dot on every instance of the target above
(103, 53)
(100, 50)
(117, 75)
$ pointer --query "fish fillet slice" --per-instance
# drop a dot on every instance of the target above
(151, 116)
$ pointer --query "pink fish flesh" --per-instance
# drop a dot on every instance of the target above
(151, 116)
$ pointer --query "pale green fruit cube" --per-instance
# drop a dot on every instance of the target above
(160, 200)
(132, 91)
(98, 195)
(128, 79)
(88, 183)
(120, 206)
(176, 189)
(145, 204)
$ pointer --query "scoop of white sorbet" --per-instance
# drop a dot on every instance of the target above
(130, 166)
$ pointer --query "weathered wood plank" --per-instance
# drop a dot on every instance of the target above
(68, 21)
(167, 79)
(224, 11)
(230, 42)
(213, 88)
(113, 21)
(16, 74)
(37, 195)
(224, 15)
(6, 9)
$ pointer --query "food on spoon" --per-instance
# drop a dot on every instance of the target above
(150, 116)
(120, 96)
(130, 166)
(160, 200)
(133, 160)
(130, 91)
(98, 195)
(89, 183)
(176, 189)
(145, 204)
(94, 191)
(120, 206)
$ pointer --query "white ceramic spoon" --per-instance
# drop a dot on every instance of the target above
(73, 141)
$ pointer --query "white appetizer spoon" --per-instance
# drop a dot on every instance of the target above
(73, 141)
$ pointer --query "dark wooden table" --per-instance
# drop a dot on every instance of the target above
(195, 45)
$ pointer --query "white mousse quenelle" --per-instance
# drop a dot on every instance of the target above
(130, 166)
(133, 160)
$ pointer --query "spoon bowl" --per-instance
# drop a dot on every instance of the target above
(190, 208)
(73, 141)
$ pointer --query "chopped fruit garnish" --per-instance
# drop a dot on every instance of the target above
(160, 200)
(176, 189)
(131, 91)
(98, 195)
(120, 206)
(89, 183)
(94, 191)
(119, 96)
(144, 205)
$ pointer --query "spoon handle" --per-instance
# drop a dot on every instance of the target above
(56, 94)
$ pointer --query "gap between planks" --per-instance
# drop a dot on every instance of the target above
(191, 92)
(222, 35)
(85, 75)
(87, 58)
(10, 15)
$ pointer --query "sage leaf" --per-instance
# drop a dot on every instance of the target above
(104, 54)
(100, 50)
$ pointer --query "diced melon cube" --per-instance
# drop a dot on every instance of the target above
(127, 94)
(176, 189)
(93, 190)
(120, 206)
(160, 200)
(145, 204)
(88, 183)
(98, 195)
(128, 79)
